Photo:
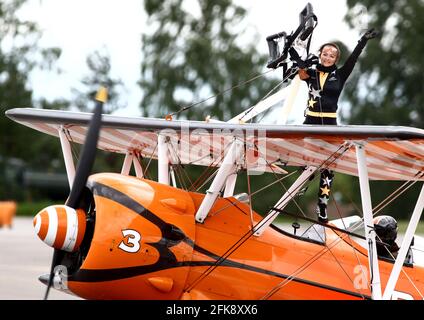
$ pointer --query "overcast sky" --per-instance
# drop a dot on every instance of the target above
(80, 27)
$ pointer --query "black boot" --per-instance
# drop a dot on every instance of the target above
(321, 211)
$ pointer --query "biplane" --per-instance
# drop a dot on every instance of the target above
(129, 237)
(126, 236)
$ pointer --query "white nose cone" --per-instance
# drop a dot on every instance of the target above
(60, 227)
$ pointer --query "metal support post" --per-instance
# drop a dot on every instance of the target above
(368, 222)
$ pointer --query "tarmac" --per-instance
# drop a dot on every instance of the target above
(23, 258)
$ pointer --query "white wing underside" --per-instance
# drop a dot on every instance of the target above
(393, 153)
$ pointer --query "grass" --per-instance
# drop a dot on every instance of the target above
(30, 209)
(402, 225)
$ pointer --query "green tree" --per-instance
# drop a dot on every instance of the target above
(192, 54)
(386, 88)
(99, 66)
(19, 56)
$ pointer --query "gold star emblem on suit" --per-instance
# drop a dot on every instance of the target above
(311, 103)
(325, 191)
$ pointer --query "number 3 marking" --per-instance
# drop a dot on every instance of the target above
(132, 237)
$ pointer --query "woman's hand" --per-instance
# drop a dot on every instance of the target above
(303, 74)
(371, 34)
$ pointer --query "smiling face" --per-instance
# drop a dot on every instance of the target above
(328, 56)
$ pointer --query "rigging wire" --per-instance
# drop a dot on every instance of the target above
(343, 231)
(139, 157)
(243, 239)
(208, 179)
(324, 164)
(403, 271)
(309, 262)
(346, 228)
(151, 156)
(219, 93)
(313, 226)
(177, 172)
(178, 167)
(253, 193)
(374, 212)
(377, 209)
(399, 192)
(303, 267)
(73, 144)
(200, 180)
(294, 71)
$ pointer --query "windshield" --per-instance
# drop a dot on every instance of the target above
(352, 224)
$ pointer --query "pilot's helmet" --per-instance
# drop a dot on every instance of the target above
(386, 228)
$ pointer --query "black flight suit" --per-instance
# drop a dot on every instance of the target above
(324, 100)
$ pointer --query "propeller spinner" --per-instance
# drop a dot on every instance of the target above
(61, 227)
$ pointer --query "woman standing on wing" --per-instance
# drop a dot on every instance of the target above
(325, 84)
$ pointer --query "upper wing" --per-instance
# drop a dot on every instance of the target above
(393, 153)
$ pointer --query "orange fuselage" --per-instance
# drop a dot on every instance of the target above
(147, 245)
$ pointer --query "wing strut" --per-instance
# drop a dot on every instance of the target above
(132, 159)
(230, 185)
(137, 167)
(126, 166)
(368, 222)
(285, 199)
(163, 159)
(261, 106)
(288, 103)
(229, 164)
(67, 156)
(412, 226)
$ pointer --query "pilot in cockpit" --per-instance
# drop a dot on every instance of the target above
(386, 229)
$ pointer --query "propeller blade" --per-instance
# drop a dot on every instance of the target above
(57, 257)
(86, 161)
(84, 167)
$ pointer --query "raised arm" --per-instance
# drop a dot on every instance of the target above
(347, 68)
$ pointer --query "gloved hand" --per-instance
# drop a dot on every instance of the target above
(371, 34)
(294, 56)
(303, 64)
(311, 60)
